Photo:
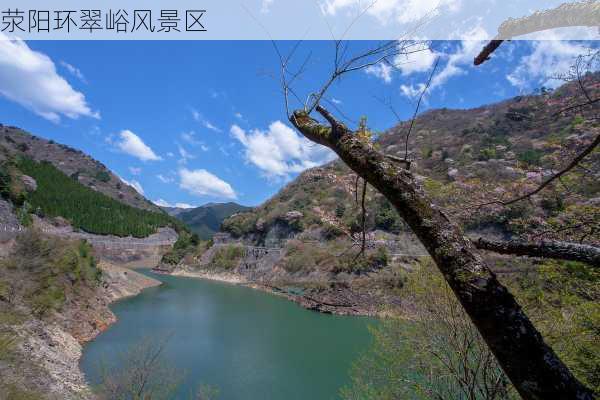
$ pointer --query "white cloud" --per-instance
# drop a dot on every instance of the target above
(401, 11)
(134, 184)
(381, 70)
(164, 203)
(547, 59)
(470, 46)
(200, 182)
(336, 101)
(184, 205)
(265, 7)
(419, 58)
(210, 126)
(412, 91)
(204, 122)
(76, 72)
(416, 57)
(164, 179)
(133, 145)
(185, 155)
(190, 137)
(238, 115)
(280, 151)
(456, 62)
(135, 170)
(29, 78)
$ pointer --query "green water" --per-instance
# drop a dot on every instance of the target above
(249, 344)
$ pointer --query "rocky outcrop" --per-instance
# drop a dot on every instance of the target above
(122, 282)
(29, 183)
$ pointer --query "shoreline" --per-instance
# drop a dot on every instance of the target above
(123, 283)
(233, 279)
(306, 302)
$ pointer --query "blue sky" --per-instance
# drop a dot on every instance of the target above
(194, 122)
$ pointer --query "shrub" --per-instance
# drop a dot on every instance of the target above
(340, 209)
(552, 205)
(47, 299)
(5, 181)
(7, 346)
(331, 232)
(563, 300)
(531, 157)
(372, 260)
(227, 257)
(23, 147)
(186, 243)
(387, 218)
(439, 354)
(103, 176)
(239, 224)
(298, 258)
(487, 153)
(54, 267)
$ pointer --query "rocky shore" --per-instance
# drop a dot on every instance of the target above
(48, 352)
(339, 298)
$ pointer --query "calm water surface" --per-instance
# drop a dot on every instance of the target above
(249, 344)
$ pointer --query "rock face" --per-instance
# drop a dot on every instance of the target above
(29, 183)
(123, 282)
(9, 226)
(293, 215)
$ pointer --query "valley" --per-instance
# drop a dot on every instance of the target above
(89, 266)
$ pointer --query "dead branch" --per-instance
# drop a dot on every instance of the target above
(487, 51)
(584, 13)
(544, 249)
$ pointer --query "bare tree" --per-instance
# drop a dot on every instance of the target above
(142, 374)
(532, 366)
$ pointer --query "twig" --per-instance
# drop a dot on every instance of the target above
(412, 121)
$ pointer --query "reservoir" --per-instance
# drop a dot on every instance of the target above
(249, 344)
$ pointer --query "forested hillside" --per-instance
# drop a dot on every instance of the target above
(42, 188)
(58, 195)
(206, 220)
(72, 162)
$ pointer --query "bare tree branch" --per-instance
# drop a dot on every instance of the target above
(584, 13)
(545, 249)
(487, 51)
(414, 117)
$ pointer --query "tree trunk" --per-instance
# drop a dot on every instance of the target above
(551, 249)
(532, 366)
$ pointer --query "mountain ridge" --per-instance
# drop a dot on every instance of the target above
(206, 220)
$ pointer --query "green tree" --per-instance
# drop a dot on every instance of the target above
(438, 355)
